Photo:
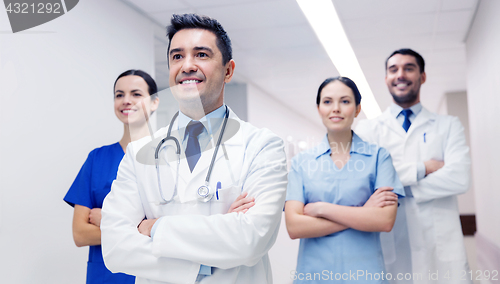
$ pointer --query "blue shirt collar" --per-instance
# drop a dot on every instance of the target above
(210, 120)
(396, 110)
(357, 146)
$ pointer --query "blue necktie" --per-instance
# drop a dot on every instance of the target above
(193, 152)
(407, 122)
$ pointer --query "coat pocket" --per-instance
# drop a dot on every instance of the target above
(223, 198)
(432, 145)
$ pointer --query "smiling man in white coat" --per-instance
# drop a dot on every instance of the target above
(185, 228)
(432, 160)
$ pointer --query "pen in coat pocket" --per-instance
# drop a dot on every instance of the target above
(424, 137)
(219, 186)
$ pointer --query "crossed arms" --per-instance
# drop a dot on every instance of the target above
(321, 218)
(183, 242)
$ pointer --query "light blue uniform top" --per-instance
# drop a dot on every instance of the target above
(314, 177)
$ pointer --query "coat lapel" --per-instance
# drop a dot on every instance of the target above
(197, 178)
(422, 118)
(392, 123)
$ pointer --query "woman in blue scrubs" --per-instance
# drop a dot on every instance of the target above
(134, 96)
(340, 195)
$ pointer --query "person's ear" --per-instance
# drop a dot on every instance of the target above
(423, 77)
(358, 110)
(155, 103)
(229, 71)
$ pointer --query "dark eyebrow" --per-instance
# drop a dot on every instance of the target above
(411, 64)
(406, 65)
(343, 97)
(176, 50)
(134, 90)
(203, 48)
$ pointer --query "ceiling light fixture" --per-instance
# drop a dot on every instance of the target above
(325, 22)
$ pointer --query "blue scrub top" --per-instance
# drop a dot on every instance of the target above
(314, 177)
(89, 189)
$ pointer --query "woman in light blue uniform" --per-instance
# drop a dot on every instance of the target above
(93, 182)
(340, 195)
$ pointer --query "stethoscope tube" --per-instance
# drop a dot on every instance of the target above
(207, 179)
(204, 191)
(169, 137)
(157, 162)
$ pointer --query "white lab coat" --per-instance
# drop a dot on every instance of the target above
(192, 232)
(427, 223)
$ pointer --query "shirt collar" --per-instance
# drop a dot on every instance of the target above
(361, 147)
(211, 121)
(323, 147)
(396, 110)
(357, 146)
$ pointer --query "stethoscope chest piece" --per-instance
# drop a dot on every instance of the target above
(204, 193)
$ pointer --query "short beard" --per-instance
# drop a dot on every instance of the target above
(409, 98)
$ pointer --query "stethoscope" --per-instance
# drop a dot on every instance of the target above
(204, 193)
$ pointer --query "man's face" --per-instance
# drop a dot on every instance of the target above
(403, 78)
(196, 70)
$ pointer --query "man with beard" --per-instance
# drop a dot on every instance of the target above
(432, 160)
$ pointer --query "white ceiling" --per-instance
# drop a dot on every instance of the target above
(276, 50)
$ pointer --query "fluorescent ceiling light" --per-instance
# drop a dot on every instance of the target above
(325, 22)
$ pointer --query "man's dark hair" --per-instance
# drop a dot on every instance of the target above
(346, 81)
(407, 51)
(194, 21)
